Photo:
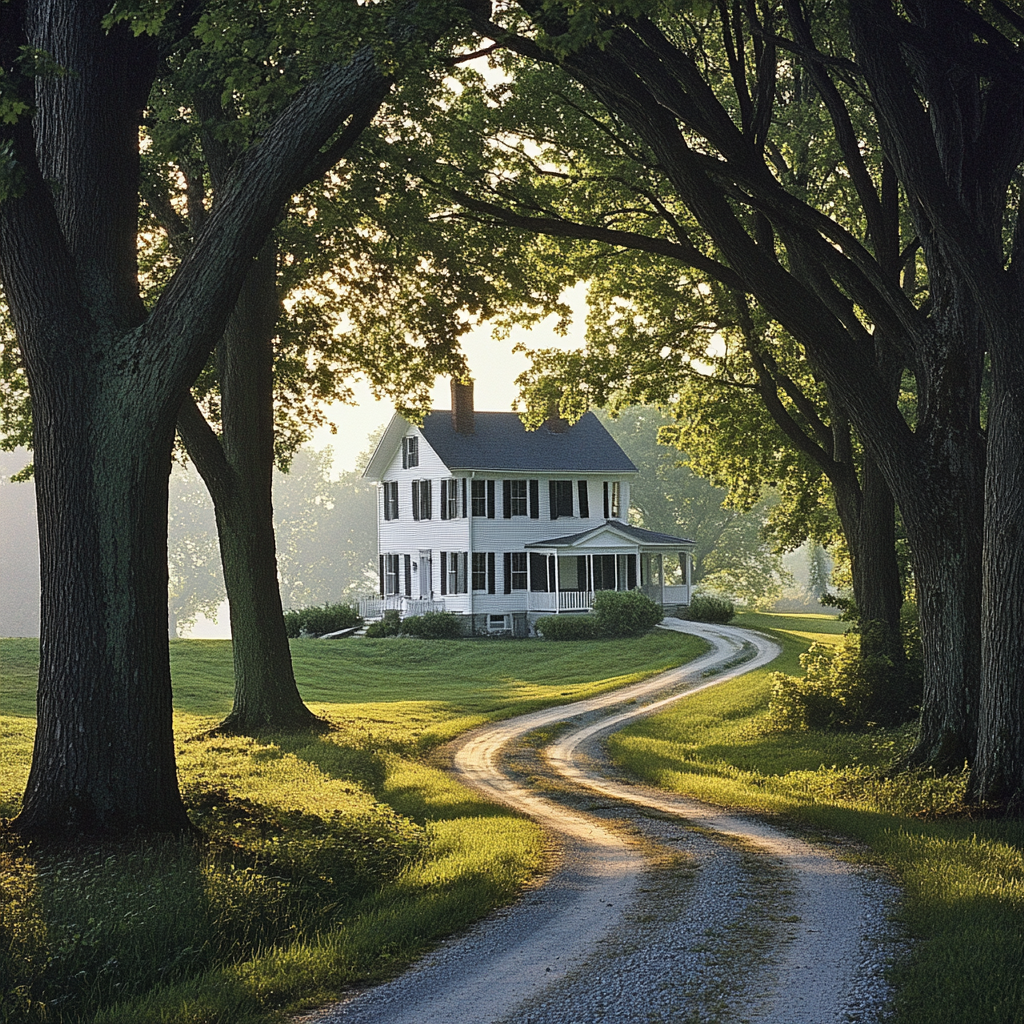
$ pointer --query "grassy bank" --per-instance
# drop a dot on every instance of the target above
(963, 878)
(330, 862)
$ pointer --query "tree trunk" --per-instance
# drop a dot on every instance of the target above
(103, 762)
(998, 771)
(238, 471)
(867, 513)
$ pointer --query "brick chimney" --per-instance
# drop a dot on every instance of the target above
(554, 422)
(462, 406)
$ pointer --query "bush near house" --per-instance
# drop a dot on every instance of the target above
(318, 620)
(567, 627)
(704, 608)
(432, 626)
(390, 625)
(625, 613)
(617, 613)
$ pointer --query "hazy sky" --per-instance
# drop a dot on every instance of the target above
(493, 367)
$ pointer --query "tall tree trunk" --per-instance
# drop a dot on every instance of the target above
(867, 512)
(103, 762)
(238, 471)
(998, 771)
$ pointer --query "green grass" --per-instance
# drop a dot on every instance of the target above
(332, 860)
(963, 879)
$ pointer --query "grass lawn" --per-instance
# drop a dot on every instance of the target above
(963, 878)
(331, 861)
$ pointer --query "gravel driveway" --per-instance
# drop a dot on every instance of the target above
(660, 909)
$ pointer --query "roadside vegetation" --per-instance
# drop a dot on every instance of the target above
(328, 861)
(963, 874)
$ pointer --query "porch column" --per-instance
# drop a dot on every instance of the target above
(661, 576)
(558, 600)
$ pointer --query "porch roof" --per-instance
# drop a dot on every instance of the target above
(622, 534)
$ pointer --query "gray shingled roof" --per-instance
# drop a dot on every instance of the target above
(501, 442)
(635, 532)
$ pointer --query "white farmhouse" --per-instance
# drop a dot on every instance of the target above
(478, 516)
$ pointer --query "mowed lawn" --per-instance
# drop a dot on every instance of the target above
(329, 861)
(962, 875)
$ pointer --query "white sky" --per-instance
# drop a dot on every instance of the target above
(493, 367)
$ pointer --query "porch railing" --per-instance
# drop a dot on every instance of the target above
(374, 607)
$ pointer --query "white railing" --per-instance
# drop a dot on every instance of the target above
(374, 607)
(575, 600)
(677, 595)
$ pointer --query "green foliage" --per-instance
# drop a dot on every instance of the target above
(708, 608)
(433, 626)
(389, 625)
(319, 620)
(568, 627)
(835, 692)
(625, 613)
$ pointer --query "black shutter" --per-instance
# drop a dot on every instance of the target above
(584, 499)
(490, 499)
(405, 453)
(535, 499)
(631, 572)
(508, 572)
(465, 504)
(444, 573)
(408, 575)
(381, 575)
(414, 490)
(444, 499)
(606, 499)
(490, 572)
(552, 499)
(506, 498)
(538, 573)
(426, 503)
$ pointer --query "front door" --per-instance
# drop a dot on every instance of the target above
(424, 575)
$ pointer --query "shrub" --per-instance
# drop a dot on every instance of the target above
(836, 691)
(705, 608)
(433, 626)
(390, 625)
(568, 627)
(318, 620)
(625, 613)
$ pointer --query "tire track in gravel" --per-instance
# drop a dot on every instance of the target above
(510, 960)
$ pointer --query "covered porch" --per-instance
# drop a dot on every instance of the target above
(566, 572)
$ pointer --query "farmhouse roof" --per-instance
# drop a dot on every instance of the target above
(500, 443)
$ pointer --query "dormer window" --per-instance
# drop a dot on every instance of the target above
(410, 452)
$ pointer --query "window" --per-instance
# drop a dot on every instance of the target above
(479, 570)
(515, 571)
(581, 486)
(560, 494)
(391, 500)
(449, 499)
(611, 500)
(421, 499)
(390, 573)
(410, 452)
(479, 494)
(514, 498)
(499, 623)
(453, 572)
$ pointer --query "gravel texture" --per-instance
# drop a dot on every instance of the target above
(660, 909)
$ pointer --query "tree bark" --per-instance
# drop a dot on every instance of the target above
(238, 472)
